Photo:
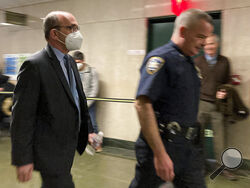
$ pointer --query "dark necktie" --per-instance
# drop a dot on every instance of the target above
(69, 71)
(72, 85)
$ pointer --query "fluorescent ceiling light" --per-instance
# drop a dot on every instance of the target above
(6, 24)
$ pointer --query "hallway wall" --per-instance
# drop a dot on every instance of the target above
(113, 30)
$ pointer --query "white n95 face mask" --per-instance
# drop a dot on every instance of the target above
(73, 41)
(79, 66)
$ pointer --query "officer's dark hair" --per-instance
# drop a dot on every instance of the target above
(78, 55)
(190, 17)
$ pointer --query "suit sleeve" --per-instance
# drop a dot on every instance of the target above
(26, 95)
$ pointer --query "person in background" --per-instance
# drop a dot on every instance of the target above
(90, 84)
(215, 71)
(5, 104)
(50, 118)
(167, 102)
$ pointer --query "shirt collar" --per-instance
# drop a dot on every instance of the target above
(176, 47)
(58, 53)
(211, 60)
(189, 58)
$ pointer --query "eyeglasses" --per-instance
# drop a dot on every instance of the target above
(73, 28)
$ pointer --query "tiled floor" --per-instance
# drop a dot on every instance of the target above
(100, 170)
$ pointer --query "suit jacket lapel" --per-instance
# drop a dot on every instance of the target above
(58, 69)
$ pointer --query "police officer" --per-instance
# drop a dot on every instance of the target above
(167, 105)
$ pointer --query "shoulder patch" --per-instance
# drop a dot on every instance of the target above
(154, 64)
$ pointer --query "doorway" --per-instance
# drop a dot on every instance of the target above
(160, 29)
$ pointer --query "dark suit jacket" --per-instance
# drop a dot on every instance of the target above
(45, 123)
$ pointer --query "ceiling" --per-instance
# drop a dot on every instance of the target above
(32, 22)
(6, 4)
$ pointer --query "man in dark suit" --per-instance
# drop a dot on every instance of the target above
(50, 117)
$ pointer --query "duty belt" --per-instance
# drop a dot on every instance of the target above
(174, 128)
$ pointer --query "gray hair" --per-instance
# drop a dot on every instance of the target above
(190, 17)
(50, 22)
(216, 38)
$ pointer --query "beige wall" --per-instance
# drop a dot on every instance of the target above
(111, 28)
(236, 45)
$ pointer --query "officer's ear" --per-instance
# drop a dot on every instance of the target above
(183, 31)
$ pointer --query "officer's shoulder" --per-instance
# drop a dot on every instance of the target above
(162, 50)
(158, 52)
(167, 52)
(157, 58)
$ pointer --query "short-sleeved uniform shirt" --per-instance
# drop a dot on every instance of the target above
(171, 81)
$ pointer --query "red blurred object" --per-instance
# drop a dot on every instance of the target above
(236, 79)
(178, 6)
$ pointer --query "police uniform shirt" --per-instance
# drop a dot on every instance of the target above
(172, 83)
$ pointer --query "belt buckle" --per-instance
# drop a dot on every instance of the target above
(173, 127)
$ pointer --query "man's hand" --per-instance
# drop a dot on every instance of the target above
(164, 167)
(163, 164)
(24, 173)
(90, 138)
(222, 94)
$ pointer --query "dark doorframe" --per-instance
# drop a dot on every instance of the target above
(160, 29)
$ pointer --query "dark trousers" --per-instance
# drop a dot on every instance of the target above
(188, 164)
(57, 181)
(92, 114)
